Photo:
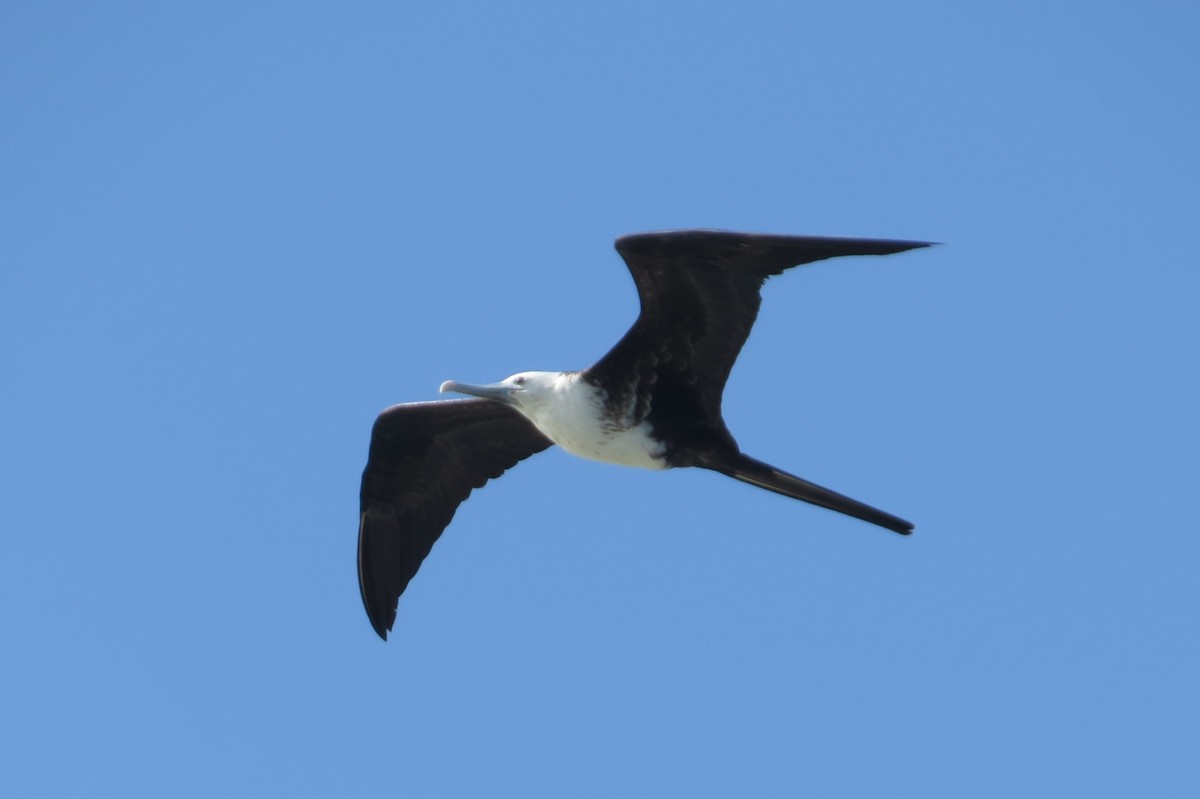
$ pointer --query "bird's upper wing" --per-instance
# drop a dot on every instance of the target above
(699, 293)
(424, 460)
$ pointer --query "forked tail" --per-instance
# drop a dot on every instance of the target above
(760, 474)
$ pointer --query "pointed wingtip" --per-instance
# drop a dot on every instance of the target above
(381, 623)
(374, 597)
(798, 249)
(893, 246)
(379, 614)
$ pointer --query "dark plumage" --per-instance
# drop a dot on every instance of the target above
(425, 459)
(657, 397)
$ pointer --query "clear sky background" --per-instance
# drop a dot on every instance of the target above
(232, 233)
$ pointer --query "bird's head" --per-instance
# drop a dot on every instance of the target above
(524, 390)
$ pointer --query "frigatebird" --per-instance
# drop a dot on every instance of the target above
(653, 401)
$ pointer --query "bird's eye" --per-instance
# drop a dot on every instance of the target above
(520, 381)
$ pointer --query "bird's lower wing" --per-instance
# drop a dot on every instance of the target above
(425, 459)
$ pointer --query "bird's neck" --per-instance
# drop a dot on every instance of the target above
(578, 416)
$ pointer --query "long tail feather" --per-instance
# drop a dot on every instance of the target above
(754, 472)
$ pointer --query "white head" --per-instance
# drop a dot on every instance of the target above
(526, 391)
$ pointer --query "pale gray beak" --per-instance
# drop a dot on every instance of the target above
(500, 392)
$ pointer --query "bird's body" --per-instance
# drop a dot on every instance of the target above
(654, 401)
(574, 414)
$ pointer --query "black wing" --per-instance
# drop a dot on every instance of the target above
(425, 459)
(699, 292)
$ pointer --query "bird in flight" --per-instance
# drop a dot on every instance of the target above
(654, 401)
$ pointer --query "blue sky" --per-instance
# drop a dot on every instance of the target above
(234, 232)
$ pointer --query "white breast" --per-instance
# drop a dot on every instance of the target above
(573, 416)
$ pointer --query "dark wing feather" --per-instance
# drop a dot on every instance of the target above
(700, 294)
(424, 460)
